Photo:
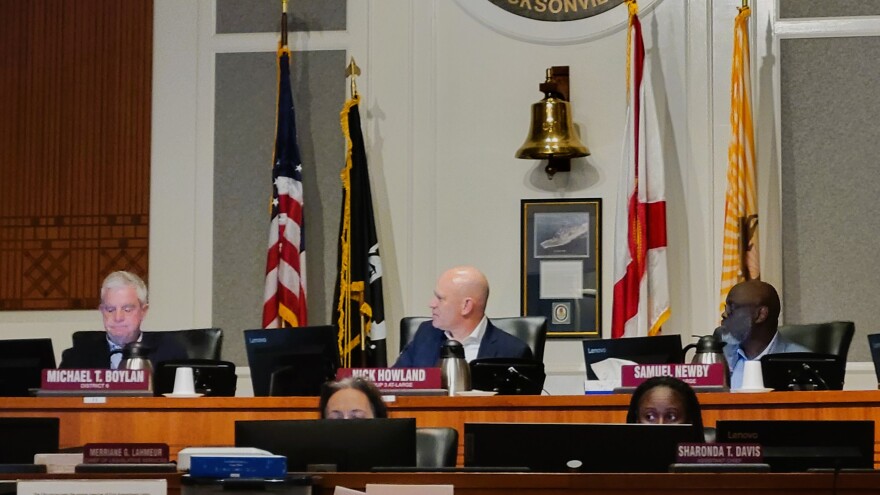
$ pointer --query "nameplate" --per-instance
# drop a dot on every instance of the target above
(719, 453)
(125, 453)
(695, 375)
(396, 378)
(95, 379)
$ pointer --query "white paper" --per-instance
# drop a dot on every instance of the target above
(561, 279)
(341, 490)
(93, 487)
(59, 463)
(608, 370)
(410, 489)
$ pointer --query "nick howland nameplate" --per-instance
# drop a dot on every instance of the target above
(396, 378)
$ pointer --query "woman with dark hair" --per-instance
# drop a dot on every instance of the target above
(665, 400)
(351, 398)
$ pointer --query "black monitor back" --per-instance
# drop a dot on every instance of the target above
(495, 374)
(575, 447)
(803, 371)
(800, 445)
(291, 361)
(21, 364)
(874, 345)
(347, 445)
(21, 438)
(211, 377)
(660, 349)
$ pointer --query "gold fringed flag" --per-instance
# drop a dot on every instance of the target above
(360, 312)
(641, 290)
(739, 257)
(284, 298)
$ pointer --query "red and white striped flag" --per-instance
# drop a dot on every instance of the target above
(641, 291)
(739, 257)
(284, 299)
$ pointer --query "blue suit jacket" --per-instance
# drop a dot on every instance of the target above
(95, 352)
(424, 350)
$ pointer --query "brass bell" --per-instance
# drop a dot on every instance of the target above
(552, 136)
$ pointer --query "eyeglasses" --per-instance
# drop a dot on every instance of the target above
(731, 306)
(111, 310)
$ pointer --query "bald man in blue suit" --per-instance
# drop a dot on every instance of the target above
(458, 312)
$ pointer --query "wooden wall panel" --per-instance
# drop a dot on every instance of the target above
(75, 99)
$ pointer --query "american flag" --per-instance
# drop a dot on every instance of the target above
(284, 299)
(641, 291)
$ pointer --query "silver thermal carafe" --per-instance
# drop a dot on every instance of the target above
(709, 350)
(454, 370)
(135, 356)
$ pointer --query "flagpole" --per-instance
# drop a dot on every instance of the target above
(283, 23)
(284, 322)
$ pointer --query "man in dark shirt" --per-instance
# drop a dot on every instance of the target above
(458, 312)
(124, 305)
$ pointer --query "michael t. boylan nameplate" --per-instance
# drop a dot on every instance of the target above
(92, 380)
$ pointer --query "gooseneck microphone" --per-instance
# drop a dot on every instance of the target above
(515, 372)
(816, 376)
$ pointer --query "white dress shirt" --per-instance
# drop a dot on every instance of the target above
(471, 343)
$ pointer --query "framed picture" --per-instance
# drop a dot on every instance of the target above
(562, 265)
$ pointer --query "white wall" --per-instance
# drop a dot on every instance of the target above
(446, 105)
(449, 104)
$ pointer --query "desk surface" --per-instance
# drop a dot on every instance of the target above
(573, 484)
(210, 421)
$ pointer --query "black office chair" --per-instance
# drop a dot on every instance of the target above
(825, 338)
(833, 337)
(408, 327)
(436, 447)
(200, 343)
(530, 329)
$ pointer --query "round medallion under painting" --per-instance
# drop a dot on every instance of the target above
(556, 10)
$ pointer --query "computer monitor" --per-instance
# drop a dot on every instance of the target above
(21, 364)
(334, 444)
(211, 377)
(874, 345)
(660, 349)
(803, 371)
(508, 376)
(291, 361)
(800, 445)
(22, 438)
(575, 447)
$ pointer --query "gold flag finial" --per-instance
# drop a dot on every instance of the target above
(283, 42)
(353, 71)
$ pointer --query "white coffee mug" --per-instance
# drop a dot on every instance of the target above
(753, 377)
(184, 384)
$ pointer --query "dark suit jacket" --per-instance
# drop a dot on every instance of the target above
(95, 352)
(424, 350)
